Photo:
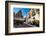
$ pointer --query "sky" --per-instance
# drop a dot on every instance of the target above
(24, 10)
